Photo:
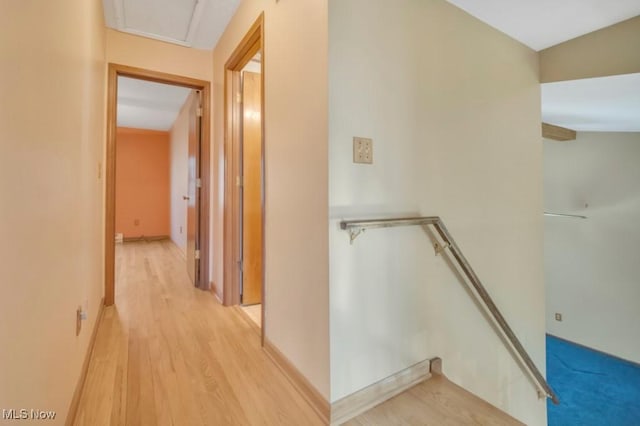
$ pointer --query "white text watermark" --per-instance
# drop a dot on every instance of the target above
(27, 414)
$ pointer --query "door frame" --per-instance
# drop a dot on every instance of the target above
(251, 43)
(115, 71)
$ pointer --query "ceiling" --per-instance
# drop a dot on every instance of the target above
(544, 23)
(536, 23)
(600, 104)
(594, 104)
(146, 105)
(191, 23)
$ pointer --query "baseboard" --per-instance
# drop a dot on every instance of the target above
(214, 290)
(319, 404)
(358, 402)
(73, 408)
(145, 238)
(178, 250)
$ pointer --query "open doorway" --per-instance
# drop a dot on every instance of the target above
(251, 217)
(244, 177)
(592, 202)
(157, 168)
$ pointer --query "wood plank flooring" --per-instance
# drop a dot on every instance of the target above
(169, 354)
(434, 402)
(254, 312)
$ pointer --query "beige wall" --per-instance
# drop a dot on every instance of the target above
(591, 266)
(609, 51)
(51, 213)
(453, 107)
(135, 51)
(296, 246)
(179, 152)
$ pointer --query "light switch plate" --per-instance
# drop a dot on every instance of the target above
(362, 150)
(558, 317)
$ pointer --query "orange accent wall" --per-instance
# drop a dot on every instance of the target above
(142, 182)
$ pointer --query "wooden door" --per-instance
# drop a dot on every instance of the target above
(193, 196)
(251, 189)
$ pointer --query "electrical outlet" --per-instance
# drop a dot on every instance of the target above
(558, 317)
(362, 150)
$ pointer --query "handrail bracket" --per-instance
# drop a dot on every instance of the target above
(353, 234)
(440, 248)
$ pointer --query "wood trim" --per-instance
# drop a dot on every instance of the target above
(251, 43)
(77, 393)
(110, 190)
(557, 133)
(214, 289)
(358, 402)
(146, 238)
(264, 183)
(319, 404)
(116, 70)
(246, 49)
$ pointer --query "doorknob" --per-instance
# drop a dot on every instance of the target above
(184, 197)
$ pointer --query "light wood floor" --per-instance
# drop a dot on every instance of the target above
(169, 354)
(254, 312)
(435, 402)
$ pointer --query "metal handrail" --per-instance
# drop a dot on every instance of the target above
(356, 227)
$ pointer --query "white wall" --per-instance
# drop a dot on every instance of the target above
(453, 107)
(179, 157)
(591, 266)
(51, 196)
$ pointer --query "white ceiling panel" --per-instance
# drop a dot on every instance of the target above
(168, 18)
(216, 15)
(605, 104)
(192, 23)
(544, 23)
(147, 105)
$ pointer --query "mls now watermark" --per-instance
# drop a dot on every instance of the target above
(27, 414)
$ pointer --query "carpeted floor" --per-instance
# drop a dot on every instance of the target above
(594, 389)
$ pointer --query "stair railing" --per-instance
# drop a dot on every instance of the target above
(356, 227)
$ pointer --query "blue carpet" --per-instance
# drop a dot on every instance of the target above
(594, 389)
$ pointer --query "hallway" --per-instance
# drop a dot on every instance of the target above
(168, 353)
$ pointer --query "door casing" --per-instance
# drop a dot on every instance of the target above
(194, 108)
(115, 71)
(252, 43)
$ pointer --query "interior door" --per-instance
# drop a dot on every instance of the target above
(251, 189)
(193, 196)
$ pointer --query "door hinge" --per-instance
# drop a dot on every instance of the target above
(197, 255)
(199, 112)
(238, 97)
(198, 183)
(240, 264)
(238, 181)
